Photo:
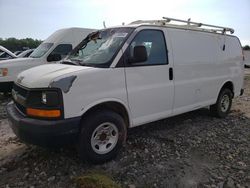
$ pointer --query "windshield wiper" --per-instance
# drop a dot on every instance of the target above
(86, 64)
(69, 62)
(75, 62)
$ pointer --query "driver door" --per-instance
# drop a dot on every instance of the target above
(150, 87)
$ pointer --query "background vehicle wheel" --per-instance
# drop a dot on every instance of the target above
(223, 105)
(102, 135)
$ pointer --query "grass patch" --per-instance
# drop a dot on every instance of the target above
(95, 180)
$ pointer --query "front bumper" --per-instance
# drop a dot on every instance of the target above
(6, 86)
(47, 133)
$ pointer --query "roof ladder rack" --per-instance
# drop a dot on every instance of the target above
(189, 25)
(189, 22)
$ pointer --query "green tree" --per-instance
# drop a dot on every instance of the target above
(246, 47)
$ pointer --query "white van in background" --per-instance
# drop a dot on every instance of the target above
(53, 49)
(123, 77)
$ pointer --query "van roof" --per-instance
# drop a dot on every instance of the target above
(69, 35)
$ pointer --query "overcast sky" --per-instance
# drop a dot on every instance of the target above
(39, 18)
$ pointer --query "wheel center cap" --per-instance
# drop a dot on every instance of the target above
(103, 136)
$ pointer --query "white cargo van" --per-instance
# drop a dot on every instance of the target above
(123, 77)
(53, 49)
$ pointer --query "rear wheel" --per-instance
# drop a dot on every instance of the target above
(102, 136)
(223, 105)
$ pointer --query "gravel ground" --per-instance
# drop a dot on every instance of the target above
(190, 150)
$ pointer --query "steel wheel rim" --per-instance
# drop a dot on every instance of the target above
(225, 102)
(104, 138)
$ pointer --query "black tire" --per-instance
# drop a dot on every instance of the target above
(220, 110)
(89, 126)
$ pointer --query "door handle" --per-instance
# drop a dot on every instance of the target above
(171, 76)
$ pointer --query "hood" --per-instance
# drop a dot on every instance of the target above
(12, 62)
(15, 66)
(42, 76)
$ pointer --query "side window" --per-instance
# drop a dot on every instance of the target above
(154, 42)
(62, 49)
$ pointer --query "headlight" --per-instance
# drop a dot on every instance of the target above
(50, 98)
(44, 98)
(3, 71)
(44, 104)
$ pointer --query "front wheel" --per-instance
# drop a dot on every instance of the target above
(102, 136)
(223, 105)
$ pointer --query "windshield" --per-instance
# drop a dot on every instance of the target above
(100, 47)
(41, 50)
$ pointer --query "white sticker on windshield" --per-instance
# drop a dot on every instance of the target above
(120, 35)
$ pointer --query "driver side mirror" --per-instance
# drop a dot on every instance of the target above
(54, 57)
(140, 55)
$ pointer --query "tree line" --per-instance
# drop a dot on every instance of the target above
(14, 44)
(246, 47)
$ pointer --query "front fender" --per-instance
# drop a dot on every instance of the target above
(107, 100)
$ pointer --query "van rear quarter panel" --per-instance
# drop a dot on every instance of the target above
(201, 67)
(234, 60)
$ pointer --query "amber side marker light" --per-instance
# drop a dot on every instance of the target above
(5, 72)
(43, 113)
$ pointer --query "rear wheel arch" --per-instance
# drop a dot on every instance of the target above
(224, 101)
(228, 85)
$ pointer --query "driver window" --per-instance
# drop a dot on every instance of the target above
(154, 42)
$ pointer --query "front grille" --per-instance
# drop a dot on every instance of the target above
(21, 108)
(21, 91)
(19, 95)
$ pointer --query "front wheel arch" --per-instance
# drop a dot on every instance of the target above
(111, 106)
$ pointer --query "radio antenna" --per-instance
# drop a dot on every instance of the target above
(104, 25)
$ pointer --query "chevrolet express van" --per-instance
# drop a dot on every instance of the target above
(122, 77)
(53, 49)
